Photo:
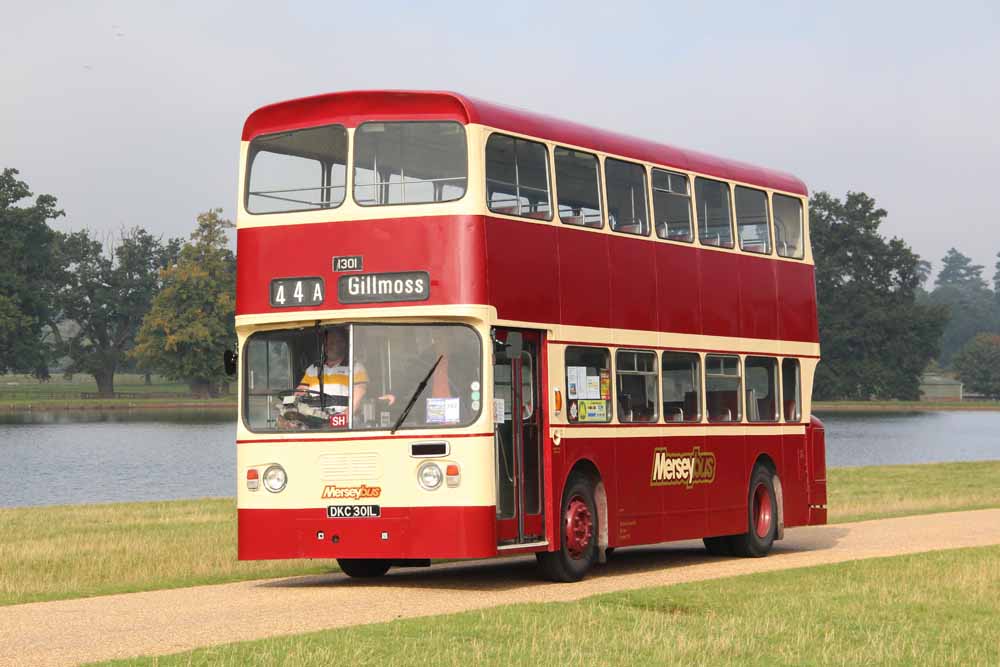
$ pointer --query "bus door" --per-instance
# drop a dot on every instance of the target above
(517, 436)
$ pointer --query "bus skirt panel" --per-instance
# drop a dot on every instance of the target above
(400, 532)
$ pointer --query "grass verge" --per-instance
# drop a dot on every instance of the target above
(880, 492)
(51, 553)
(935, 608)
(902, 406)
(22, 392)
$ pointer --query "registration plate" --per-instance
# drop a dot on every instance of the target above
(353, 511)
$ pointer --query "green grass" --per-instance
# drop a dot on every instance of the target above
(50, 553)
(940, 608)
(23, 391)
(878, 492)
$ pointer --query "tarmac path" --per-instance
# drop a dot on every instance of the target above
(158, 622)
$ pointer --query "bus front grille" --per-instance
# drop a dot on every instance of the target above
(353, 466)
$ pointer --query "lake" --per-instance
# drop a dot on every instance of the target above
(69, 457)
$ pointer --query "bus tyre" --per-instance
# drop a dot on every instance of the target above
(363, 568)
(719, 546)
(577, 535)
(762, 516)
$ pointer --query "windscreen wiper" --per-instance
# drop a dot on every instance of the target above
(413, 399)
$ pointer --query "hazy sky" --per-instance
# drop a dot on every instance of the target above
(131, 114)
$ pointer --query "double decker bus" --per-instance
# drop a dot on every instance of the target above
(467, 330)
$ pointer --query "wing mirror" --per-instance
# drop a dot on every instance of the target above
(229, 359)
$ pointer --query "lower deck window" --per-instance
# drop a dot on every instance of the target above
(637, 392)
(681, 387)
(722, 388)
(790, 390)
(588, 384)
(762, 389)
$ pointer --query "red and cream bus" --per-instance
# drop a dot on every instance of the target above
(467, 330)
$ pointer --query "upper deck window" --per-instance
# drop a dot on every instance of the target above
(626, 184)
(714, 224)
(517, 177)
(788, 226)
(578, 180)
(304, 170)
(409, 163)
(672, 206)
(751, 220)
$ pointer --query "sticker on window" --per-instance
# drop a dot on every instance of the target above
(498, 411)
(443, 411)
(592, 411)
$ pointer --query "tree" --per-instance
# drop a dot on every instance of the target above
(957, 270)
(191, 321)
(107, 293)
(29, 277)
(978, 364)
(876, 339)
(962, 290)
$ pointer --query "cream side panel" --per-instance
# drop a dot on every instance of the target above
(670, 431)
(397, 477)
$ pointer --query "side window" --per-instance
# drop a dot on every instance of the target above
(790, 390)
(578, 180)
(588, 384)
(268, 371)
(303, 170)
(626, 187)
(722, 388)
(714, 223)
(681, 387)
(637, 391)
(672, 206)
(517, 177)
(752, 219)
(788, 226)
(762, 389)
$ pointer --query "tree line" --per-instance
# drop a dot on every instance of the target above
(129, 302)
(880, 326)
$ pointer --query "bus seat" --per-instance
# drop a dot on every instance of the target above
(672, 413)
(790, 411)
(505, 210)
(538, 215)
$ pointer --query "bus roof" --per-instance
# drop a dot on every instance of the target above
(354, 107)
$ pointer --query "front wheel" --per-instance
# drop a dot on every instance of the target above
(363, 568)
(762, 516)
(577, 551)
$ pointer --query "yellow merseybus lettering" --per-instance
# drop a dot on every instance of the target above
(687, 468)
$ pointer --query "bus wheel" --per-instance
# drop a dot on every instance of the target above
(719, 546)
(762, 516)
(363, 568)
(578, 534)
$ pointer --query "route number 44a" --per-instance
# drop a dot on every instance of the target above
(288, 292)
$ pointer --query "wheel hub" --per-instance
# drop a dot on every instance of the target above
(763, 511)
(579, 527)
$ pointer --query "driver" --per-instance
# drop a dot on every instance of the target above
(335, 374)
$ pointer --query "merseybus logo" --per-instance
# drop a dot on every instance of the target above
(687, 468)
(331, 491)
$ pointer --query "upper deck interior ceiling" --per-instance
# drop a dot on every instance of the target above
(353, 108)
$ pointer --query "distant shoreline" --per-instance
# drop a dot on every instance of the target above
(905, 406)
(113, 404)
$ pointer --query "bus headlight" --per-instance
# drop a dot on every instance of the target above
(275, 478)
(429, 476)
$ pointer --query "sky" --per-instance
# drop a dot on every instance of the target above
(130, 113)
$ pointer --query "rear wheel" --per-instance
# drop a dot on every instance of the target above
(578, 534)
(762, 516)
(363, 568)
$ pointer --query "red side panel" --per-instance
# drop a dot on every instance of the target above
(678, 296)
(793, 473)
(450, 248)
(816, 457)
(758, 298)
(720, 293)
(583, 278)
(413, 532)
(797, 302)
(523, 265)
(633, 284)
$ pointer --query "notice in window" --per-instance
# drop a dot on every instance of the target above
(592, 411)
(576, 381)
(443, 411)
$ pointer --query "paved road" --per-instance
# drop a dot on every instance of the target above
(157, 622)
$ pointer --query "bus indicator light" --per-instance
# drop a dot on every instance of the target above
(253, 479)
(453, 475)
